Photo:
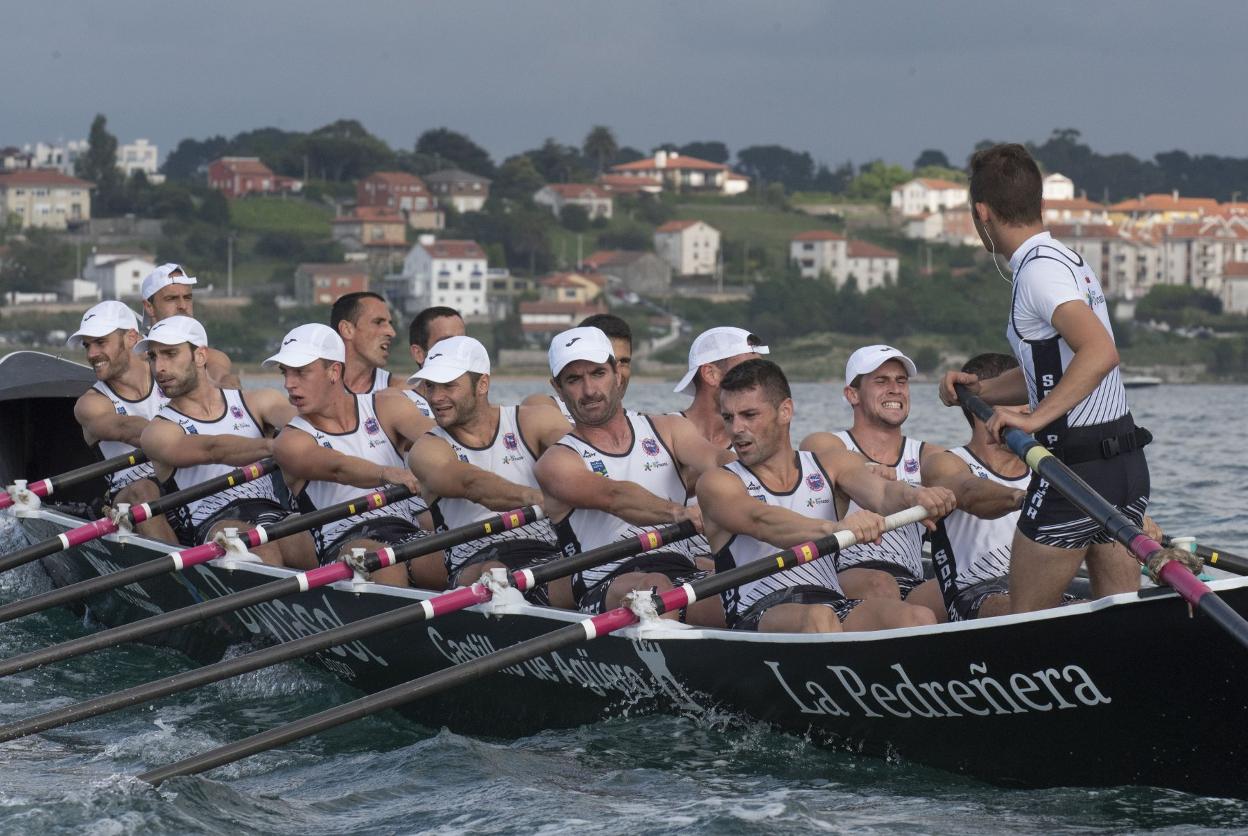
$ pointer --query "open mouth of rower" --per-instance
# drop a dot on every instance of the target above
(891, 404)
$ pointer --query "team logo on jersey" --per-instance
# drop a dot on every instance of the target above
(371, 426)
(912, 466)
(509, 459)
(587, 454)
(753, 486)
(598, 466)
(327, 445)
(236, 412)
(650, 447)
(121, 410)
(190, 429)
(509, 441)
(463, 458)
(815, 481)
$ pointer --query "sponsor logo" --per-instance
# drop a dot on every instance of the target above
(598, 465)
(912, 466)
(753, 486)
(509, 441)
(654, 466)
(121, 410)
(759, 497)
(291, 340)
(509, 459)
(587, 454)
(371, 426)
(568, 344)
(189, 428)
(1094, 298)
(650, 447)
(463, 458)
(327, 445)
(815, 481)
(236, 412)
(434, 356)
(88, 316)
(817, 500)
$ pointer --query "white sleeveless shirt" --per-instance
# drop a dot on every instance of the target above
(648, 463)
(966, 549)
(506, 456)
(146, 407)
(812, 496)
(421, 403)
(367, 441)
(236, 419)
(901, 546)
(381, 380)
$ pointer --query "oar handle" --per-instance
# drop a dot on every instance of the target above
(295, 523)
(46, 487)
(646, 541)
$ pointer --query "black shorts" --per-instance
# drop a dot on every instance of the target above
(248, 509)
(514, 554)
(906, 582)
(966, 602)
(1051, 519)
(677, 567)
(393, 531)
(800, 594)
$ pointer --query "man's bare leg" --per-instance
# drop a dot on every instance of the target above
(883, 614)
(1040, 574)
(994, 605)
(799, 618)
(298, 551)
(1112, 569)
(928, 594)
(868, 583)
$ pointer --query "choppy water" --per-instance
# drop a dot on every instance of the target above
(656, 774)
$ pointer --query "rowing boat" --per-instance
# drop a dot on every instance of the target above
(1019, 701)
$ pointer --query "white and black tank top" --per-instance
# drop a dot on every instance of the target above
(367, 441)
(1048, 274)
(146, 407)
(966, 549)
(236, 419)
(421, 402)
(506, 456)
(901, 546)
(812, 496)
(647, 462)
(381, 380)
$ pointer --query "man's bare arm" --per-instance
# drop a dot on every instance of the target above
(442, 474)
(100, 421)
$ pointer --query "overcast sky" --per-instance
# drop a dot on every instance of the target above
(858, 81)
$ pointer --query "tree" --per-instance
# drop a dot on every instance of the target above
(836, 181)
(777, 164)
(930, 156)
(99, 165)
(185, 161)
(558, 163)
(342, 150)
(600, 146)
(37, 263)
(215, 209)
(517, 179)
(627, 154)
(456, 149)
(712, 151)
(876, 181)
(574, 218)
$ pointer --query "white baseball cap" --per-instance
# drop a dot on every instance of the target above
(174, 330)
(160, 277)
(584, 343)
(103, 319)
(869, 358)
(451, 357)
(306, 343)
(717, 344)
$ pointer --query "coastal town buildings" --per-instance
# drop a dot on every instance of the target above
(323, 284)
(44, 198)
(595, 200)
(118, 275)
(404, 193)
(241, 176)
(824, 254)
(690, 247)
(453, 273)
(458, 190)
(925, 194)
(682, 173)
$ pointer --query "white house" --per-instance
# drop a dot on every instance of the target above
(690, 247)
(682, 173)
(1058, 187)
(818, 253)
(1235, 287)
(595, 200)
(118, 275)
(140, 155)
(924, 194)
(451, 273)
(870, 265)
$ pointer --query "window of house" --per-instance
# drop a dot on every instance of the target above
(321, 281)
(459, 285)
(344, 282)
(444, 285)
(474, 285)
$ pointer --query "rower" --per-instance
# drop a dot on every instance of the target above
(167, 292)
(713, 354)
(203, 432)
(363, 321)
(877, 386)
(799, 497)
(479, 460)
(340, 442)
(428, 327)
(116, 409)
(648, 462)
(621, 336)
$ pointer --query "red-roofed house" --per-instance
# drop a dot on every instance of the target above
(819, 252)
(581, 288)
(595, 200)
(542, 320)
(241, 176)
(872, 266)
(682, 173)
(401, 192)
(1075, 210)
(1166, 208)
(451, 273)
(44, 198)
(323, 284)
(635, 270)
(925, 194)
(629, 184)
(690, 247)
(370, 227)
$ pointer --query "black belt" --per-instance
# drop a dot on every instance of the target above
(1106, 448)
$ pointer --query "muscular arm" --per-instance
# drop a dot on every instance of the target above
(982, 498)
(100, 421)
(400, 418)
(566, 480)
(849, 472)
(443, 475)
(302, 459)
(693, 453)
(270, 407)
(727, 509)
(221, 370)
(1095, 357)
(541, 423)
(823, 443)
(166, 443)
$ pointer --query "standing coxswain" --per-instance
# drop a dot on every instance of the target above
(340, 442)
(203, 432)
(712, 355)
(774, 497)
(117, 408)
(363, 321)
(167, 292)
(1060, 331)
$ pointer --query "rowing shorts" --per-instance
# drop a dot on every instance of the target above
(966, 603)
(1051, 519)
(249, 510)
(677, 567)
(514, 554)
(800, 594)
(392, 531)
(906, 582)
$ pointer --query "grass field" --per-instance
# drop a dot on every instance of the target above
(755, 226)
(275, 214)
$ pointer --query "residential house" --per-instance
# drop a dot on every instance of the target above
(926, 194)
(78, 290)
(819, 253)
(690, 247)
(13, 158)
(324, 284)
(62, 156)
(682, 173)
(581, 288)
(1074, 210)
(948, 226)
(451, 273)
(626, 184)
(595, 200)
(118, 275)
(458, 190)
(45, 198)
(1058, 187)
(870, 265)
(370, 227)
(1235, 287)
(542, 320)
(1163, 208)
(401, 192)
(140, 155)
(241, 176)
(636, 271)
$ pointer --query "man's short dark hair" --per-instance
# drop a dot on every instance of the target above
(758, 374)
(987, 366)
(1008, 180)
(347, 308)
(418, 331)
(613, 326)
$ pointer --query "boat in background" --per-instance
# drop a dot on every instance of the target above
(1141, 381)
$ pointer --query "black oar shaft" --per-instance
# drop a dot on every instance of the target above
(49, 486)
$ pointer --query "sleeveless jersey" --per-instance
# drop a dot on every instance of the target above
(419, 399)
(236, 419)
(1046, 275)
(812, 496)
(367, 441)
(648, 463)
(967, 550)
(381, 380)
(901, 546)
(508, 457)
(144, 408)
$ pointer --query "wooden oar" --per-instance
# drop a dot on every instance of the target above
(186, 558)
(1166, 564)
(136, 514)
(582, 631)
(46, 487)
(303, 581)
(453, 601)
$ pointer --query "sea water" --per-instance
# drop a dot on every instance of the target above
(660, 774)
